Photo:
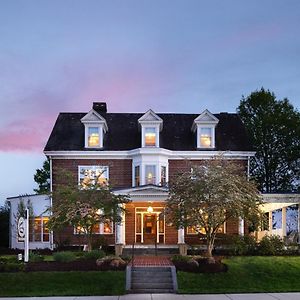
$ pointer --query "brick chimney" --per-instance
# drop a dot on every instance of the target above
(100, 107)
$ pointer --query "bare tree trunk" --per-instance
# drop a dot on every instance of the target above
(210, 247)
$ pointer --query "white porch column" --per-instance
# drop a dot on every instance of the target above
(283, 221)
(120, 231)
(181, 236)
(241, 227)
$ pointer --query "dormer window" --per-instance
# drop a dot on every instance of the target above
(93, 136)
(150, 136)
(204, 127)
(95, 128)
(151, 124)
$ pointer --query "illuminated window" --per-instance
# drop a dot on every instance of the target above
(91, 175)
(150, 136)
(206, 137)
(150, 177)
(163, 175)
(136, 175)
(93, 137)
(195, 230)
(98, 228)
(38, 229)
(107, 227)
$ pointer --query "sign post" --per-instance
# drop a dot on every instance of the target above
(26, 244)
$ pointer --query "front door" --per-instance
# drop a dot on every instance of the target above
(149, 226)
(149, 229)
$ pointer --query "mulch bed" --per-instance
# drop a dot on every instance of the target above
(77, 265)
(204, 266)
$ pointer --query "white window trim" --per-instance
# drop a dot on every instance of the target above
(86, 135)
(213, 142)
(156, 127)
(133, 174)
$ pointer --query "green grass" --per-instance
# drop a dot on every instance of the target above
(62, 284)
(245, 275)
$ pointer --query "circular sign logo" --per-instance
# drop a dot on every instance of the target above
(21, 229)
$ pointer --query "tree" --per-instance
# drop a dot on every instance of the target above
(85, 206)
(209, 196)
(274, 129)
(42, 178)
(4, 225)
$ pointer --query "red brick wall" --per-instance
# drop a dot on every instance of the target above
(177, 166)
(120, 170)
(120, 175)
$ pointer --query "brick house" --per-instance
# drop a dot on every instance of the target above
(139, 154)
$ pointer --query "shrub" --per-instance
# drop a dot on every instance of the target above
(271, 245)
(180, 258)
(11, 267)
(94, 254)
(64, 256)
(35, 257)
(244, 245)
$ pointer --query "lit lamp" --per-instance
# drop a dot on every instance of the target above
(149, 209)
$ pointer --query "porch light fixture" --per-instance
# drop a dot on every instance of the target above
(149, 209)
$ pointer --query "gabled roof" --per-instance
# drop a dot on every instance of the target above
(206, 117)
(124, 134)
(150, 117)
(92, 117)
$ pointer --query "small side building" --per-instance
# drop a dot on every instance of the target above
(39, 234)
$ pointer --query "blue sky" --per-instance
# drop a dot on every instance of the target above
(171, 56)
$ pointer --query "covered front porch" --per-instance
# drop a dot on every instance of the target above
(282, 212)
(144, 224)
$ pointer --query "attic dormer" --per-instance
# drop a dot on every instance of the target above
(204, 126)
(95, 128)
(151, 125)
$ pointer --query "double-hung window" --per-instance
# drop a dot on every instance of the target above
(150, 136)
(93, 137)
(205, 137)
(150, 174)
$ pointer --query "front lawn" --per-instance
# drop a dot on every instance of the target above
(246, 275)
(62, 283)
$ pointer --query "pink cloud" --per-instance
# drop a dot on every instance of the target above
(24, 135)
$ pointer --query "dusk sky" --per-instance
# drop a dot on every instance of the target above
(171, 56)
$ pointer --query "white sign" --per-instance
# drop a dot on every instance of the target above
(21, 229)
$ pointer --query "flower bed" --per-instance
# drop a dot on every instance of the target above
(198, 264)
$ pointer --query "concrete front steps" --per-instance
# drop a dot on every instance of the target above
(149, 279)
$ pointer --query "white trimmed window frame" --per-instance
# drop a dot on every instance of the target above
(86, 135)
(92, 167)
(156, 127)
(142, 166)
(213, 140)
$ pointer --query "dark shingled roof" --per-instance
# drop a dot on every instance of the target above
(124, 134)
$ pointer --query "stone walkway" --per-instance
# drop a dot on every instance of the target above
(151, 261)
